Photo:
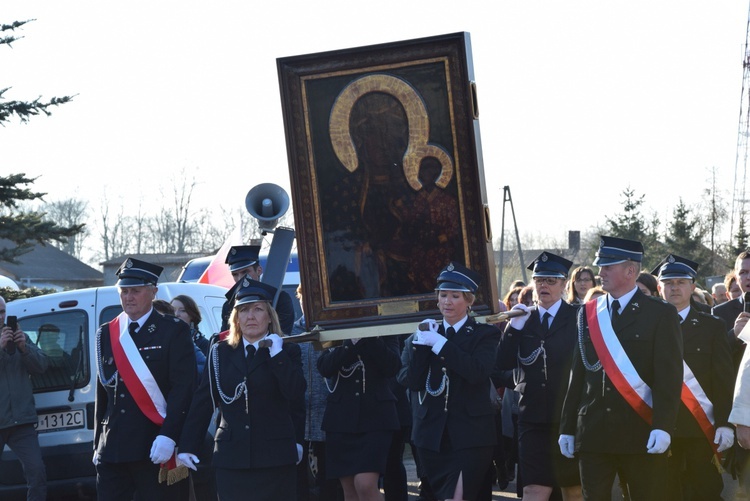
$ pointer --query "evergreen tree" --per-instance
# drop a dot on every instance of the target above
(24, 228)
(740, 236)
(685, 238)
(632, 225)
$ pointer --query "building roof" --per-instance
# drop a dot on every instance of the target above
(46, 264)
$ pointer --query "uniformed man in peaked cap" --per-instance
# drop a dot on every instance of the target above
(703, 429)
(539, 347)
(146, 372)
(244, 260)
(621, 406)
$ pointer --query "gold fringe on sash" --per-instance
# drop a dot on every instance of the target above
(174, 475)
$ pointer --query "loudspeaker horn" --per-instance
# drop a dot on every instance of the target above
(267, 202)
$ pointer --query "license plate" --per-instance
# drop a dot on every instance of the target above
(65, 420)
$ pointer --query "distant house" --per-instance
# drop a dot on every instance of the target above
(172, 264)
(48, 267)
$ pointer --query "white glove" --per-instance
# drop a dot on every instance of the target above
(658, 442)
(430, 338)
(724, 438)
(188, 460)
(96, 459)
(431, 323)
(276, 344)
(518, 322)
(299, 453)
(162, 449)
(567, 445)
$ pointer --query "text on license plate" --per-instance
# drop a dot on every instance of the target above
(65, 420)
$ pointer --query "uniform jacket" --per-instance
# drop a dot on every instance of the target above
(707, 353)
(254, 434)
(364, 401)
(284, 310)
(16, 392)
(594, 411)
(541, 397)
(729, 311)
(122, 432)
(468, 359)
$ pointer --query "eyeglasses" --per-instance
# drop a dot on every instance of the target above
(583, 279)
(545, 280)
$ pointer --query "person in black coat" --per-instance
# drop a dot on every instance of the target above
(244, 260)
(540, 347)
(623, 425)
(254, 378)
(735, 316)
(454, 419)
(360, 417)
(146, 376)
(702, 431)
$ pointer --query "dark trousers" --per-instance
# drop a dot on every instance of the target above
(394, 480)
(24, 442)
(692, 475)
(646, 475)
(139, 479)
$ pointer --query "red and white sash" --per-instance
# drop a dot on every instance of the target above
(698, 404)
(134, 371)
(615, 361)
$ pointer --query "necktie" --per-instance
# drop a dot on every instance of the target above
(250, 354)
(450, 332)
(132, 328)
(545, 323)
(615, 310)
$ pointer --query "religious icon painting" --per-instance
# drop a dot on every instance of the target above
(387, 178)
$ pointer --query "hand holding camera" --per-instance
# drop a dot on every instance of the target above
(11, 336)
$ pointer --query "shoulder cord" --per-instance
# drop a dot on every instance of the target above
(111, 382)
(347, 372)
(239, 390)
(589, 367)
(445, 384)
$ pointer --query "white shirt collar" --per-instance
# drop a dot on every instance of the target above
(143, 319)
(552, 309)
(457, 326)
(624, 299)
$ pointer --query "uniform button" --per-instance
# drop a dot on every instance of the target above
(122, 395)
(637, 335)
(543, 385)
(356, 394)
(442, 358)
(356, 380)
(609, 410)
(608, 388)
(122, 411)
(247, 426)
(699, 349)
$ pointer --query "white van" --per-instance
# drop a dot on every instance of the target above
(64, 325)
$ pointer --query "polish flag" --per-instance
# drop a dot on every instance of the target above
(217, 273)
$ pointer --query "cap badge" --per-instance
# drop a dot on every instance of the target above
(601, 242)
(544, 258)
(450, 267)
(128, 263)
(233, 251)
(246, 282)
(671, 259)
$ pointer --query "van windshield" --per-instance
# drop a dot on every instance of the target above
(63, 337)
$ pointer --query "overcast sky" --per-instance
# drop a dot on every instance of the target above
(578, 99)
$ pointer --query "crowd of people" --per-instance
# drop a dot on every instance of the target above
(624, 375)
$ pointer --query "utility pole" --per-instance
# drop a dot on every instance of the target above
(508, 199)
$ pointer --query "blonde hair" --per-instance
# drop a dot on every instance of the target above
(235, 333)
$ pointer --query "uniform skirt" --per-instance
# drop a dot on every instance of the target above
(443, 468)
(262, 484)
(350, 453)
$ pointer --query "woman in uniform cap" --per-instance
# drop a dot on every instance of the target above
(539, 348)
(253, 378)
(454, 420)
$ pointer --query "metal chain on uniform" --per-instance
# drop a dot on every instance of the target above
(239, 390)
(589, 366)
(347, 372)
(445, 384)
(534, 356)
(100, 366)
